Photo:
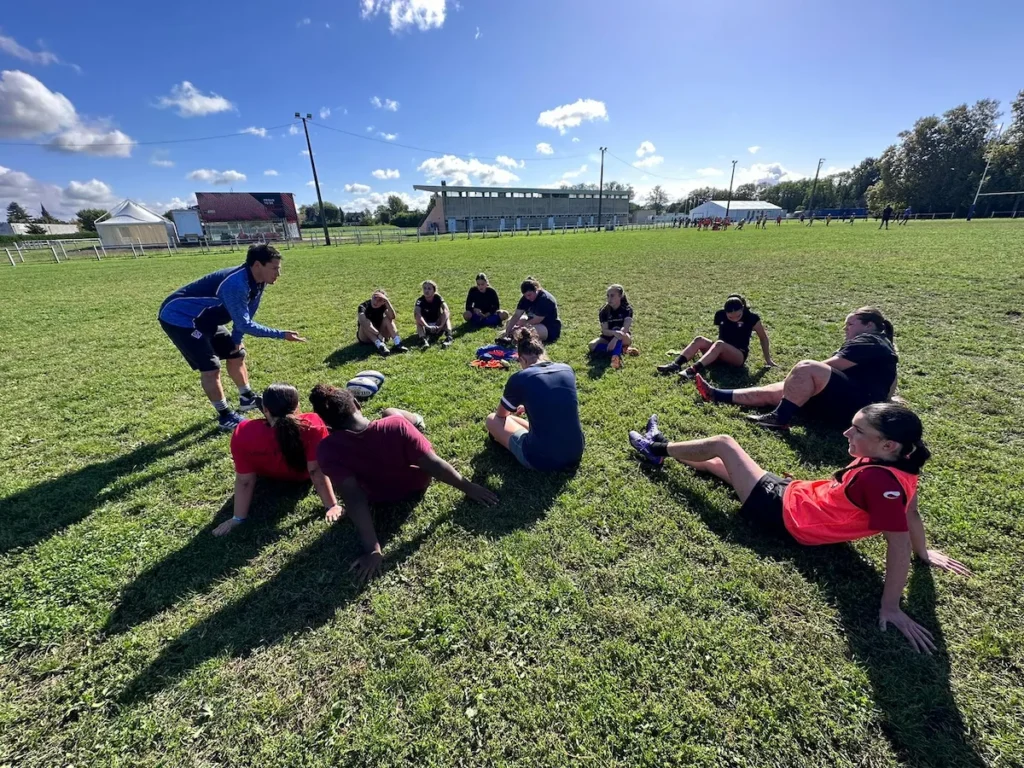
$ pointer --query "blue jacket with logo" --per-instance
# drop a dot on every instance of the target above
(227, 294)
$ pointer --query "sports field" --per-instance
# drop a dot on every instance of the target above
(616, 616)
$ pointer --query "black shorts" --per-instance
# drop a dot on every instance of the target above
(838, 401)
(205, 351)
(763, 508)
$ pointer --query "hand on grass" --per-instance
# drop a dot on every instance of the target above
(334, 514)
(226, 527)
(919, 637)
(769, 363)
(367, 566)
(481, 494)
(292, 336)
(937, 559)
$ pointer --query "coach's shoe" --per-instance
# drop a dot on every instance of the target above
(668, 368)
(769, 421)
(249, 402)
(228, 420)
(643, 447)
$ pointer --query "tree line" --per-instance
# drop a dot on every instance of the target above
(396, 212)
(935, 167)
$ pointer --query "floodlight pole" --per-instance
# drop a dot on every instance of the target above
(728, 203)
(600, 190)
(316, 181)
(988, 161)
(814, 188)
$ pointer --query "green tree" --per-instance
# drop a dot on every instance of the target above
(35, 228)
(16, 214)
(396, 205)
(657, 199)
(382, 214)
(87, 218)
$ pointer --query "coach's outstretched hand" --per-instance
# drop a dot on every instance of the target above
(292, 336)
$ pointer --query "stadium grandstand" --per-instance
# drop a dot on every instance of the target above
(246, 215)
(496, 209)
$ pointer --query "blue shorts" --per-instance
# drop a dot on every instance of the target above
(490, 320)
(517, 443)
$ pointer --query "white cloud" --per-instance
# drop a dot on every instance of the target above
(753, 150)
(304, 153)
(270, 172)
(766, 174)
(304, 22)
(191, 102)
(159, 159)
(387, 136)
(573, 174)
(327, 25)
(293, 130)
(29, 109)
(357, 188)
(477, 35)
(545, 149)
(373, 199)
(89, 193)
(509, 162)
(460, 171)
(575, 139)
(174, 204)
(389, 104)
(310, 184)
(645, 148)
(62, 203)
(369, 129)
(252, 130)
(571, 115)
(425, 14)
(208, 176)
(386, 173)
(94, 139)
(12, 47)
(325, 112)
(650, 161)
(710, 172)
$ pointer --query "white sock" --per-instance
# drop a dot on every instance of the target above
(245, 390)
(221, 406)
(378, 343)
(397, 340)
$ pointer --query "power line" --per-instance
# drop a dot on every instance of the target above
(137, 143)
(649, 173)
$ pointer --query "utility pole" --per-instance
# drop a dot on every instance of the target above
(728, 203)
(600, 190)
(988, 161)
(814, 188)
(316, 181)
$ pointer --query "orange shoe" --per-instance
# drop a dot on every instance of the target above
(632, 351)
(616, 362)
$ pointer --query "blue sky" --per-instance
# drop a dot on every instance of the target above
(512, 93)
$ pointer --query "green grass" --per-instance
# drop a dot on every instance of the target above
(615, 616)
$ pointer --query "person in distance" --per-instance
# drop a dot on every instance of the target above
(375, 324)
(433, 317)
(536, 309)
(616, 318)
(483, 307)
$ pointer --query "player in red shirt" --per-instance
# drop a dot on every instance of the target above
(281, 446)
(876, 493)
(379, 462)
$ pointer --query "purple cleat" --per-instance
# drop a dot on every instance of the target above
(643, 447)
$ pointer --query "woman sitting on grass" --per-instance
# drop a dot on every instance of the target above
(876, 493)
(545, 392)
(538, 310)
(482, 305)
(616, 318)
(433, 318)
(375, 324)
(283, 446)
(736, 323)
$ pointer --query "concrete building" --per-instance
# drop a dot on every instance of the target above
(738, 209)
(496, 209)
(7, 228)
(248, 215)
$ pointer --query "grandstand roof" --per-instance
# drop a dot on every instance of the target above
(746, 205)
(516, 190)
(246, 206)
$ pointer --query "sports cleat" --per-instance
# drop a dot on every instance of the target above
(383, 351)
(632, 351)
(249, 402)
(228, 420)
(652, 427)
(616, 361)
(399, 348)
(668, 368)
(769, 421)
(643, 447)
(447, 342)
(687, 374)
(703, 389)
(425, 343)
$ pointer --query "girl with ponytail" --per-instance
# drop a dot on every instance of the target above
(736, 324)
(875, 494)
(282, 445)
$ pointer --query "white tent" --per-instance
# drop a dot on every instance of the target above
(738, 209)
(130, 223)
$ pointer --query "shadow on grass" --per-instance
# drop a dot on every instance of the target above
(819, 443)
(350, 354)
(918, 713)
(33, 515)
(305, 594)
(207, 559)
(598, 364)
(735, 377)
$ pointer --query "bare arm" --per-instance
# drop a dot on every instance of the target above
(762, 336)
(244, 487)
(513, 320)
(839, 363)
(358, 509)
(933, 557)
(442, 471)
(418, 316)
(325, 491)
(897, 567)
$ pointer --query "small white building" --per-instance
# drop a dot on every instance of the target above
(738, 210)
(51, 229)
(130, 223)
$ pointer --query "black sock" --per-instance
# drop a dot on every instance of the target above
(786, 411)
(720, 395)
(698, 367)
(659, 438)
(659, 448)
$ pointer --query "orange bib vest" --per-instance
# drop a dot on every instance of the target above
(819, 511)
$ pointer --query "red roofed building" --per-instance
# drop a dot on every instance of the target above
(246, 215)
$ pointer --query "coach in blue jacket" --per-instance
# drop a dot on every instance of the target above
(194, 318)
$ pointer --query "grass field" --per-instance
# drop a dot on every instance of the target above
(615, 616)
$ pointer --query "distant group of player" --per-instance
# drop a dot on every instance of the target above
(387, 460)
